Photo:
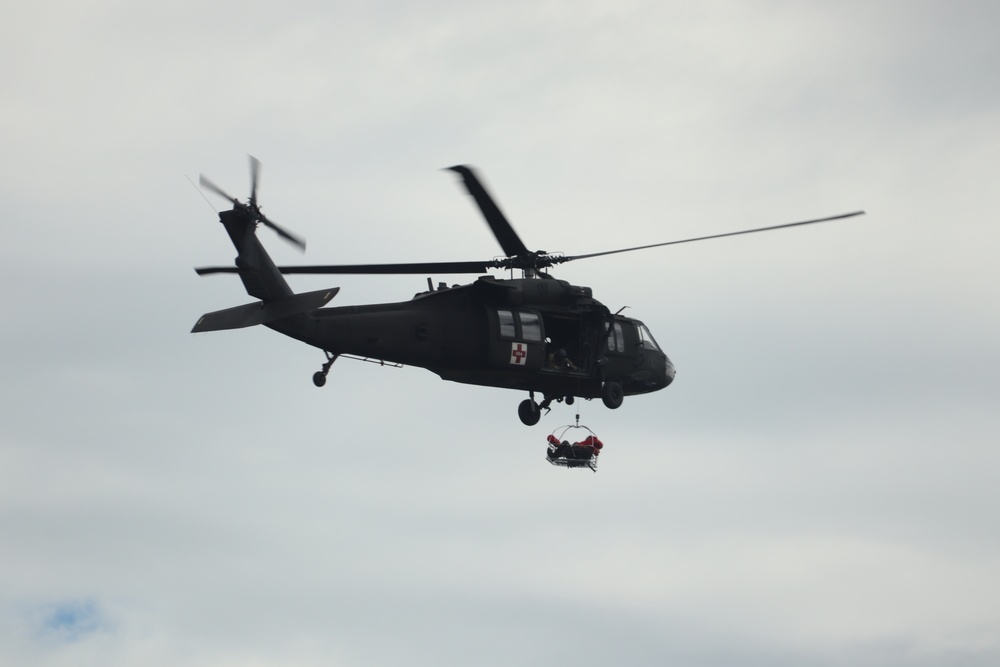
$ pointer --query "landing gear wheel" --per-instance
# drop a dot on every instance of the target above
(612, 395)
(570, 400)
(529, 412)
(319, 377)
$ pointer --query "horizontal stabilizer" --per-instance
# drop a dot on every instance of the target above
(260, 312)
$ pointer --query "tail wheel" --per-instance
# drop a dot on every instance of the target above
(529, 412)
(319, 377)
(612, 394)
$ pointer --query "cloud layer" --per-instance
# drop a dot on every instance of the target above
(815, 488)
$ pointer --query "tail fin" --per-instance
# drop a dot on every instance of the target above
(263, 312)
(257, 271)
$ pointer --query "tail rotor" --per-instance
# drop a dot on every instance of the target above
(250, 207)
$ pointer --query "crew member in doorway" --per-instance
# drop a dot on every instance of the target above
(558, 360)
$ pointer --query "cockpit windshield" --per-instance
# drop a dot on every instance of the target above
(647, 338)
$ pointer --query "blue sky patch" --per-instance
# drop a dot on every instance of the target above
(72, 620)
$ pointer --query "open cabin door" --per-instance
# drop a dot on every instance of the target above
(578, 335)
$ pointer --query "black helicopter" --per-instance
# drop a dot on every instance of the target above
(535, 333)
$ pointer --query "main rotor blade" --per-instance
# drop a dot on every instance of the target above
(368, 269)
(713, 236)
(254, 175)
(209, 185)
(502, 230)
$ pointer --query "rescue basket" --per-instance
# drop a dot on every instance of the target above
(573, 446)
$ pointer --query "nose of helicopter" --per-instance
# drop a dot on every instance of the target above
(669, 372)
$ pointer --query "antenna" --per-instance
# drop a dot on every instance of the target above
(214, 210)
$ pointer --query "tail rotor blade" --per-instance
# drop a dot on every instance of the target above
(209, 185)
(254, 176)
(284, 233)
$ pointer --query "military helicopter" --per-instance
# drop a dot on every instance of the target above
(536, 333)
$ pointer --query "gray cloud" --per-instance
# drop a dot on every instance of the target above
(816, 487)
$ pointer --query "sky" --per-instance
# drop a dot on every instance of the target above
(816, 487)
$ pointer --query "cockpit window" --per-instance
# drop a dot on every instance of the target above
(647, 338)
(616, 339)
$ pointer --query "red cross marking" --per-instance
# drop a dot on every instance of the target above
(518, 354)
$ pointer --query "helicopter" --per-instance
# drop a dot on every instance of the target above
(536, 334)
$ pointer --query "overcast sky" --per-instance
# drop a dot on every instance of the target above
(816, 487)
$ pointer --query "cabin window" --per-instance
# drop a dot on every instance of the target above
(520, 325)
(531, 327)
(506, 319)
(647, 338)
(616, 339)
